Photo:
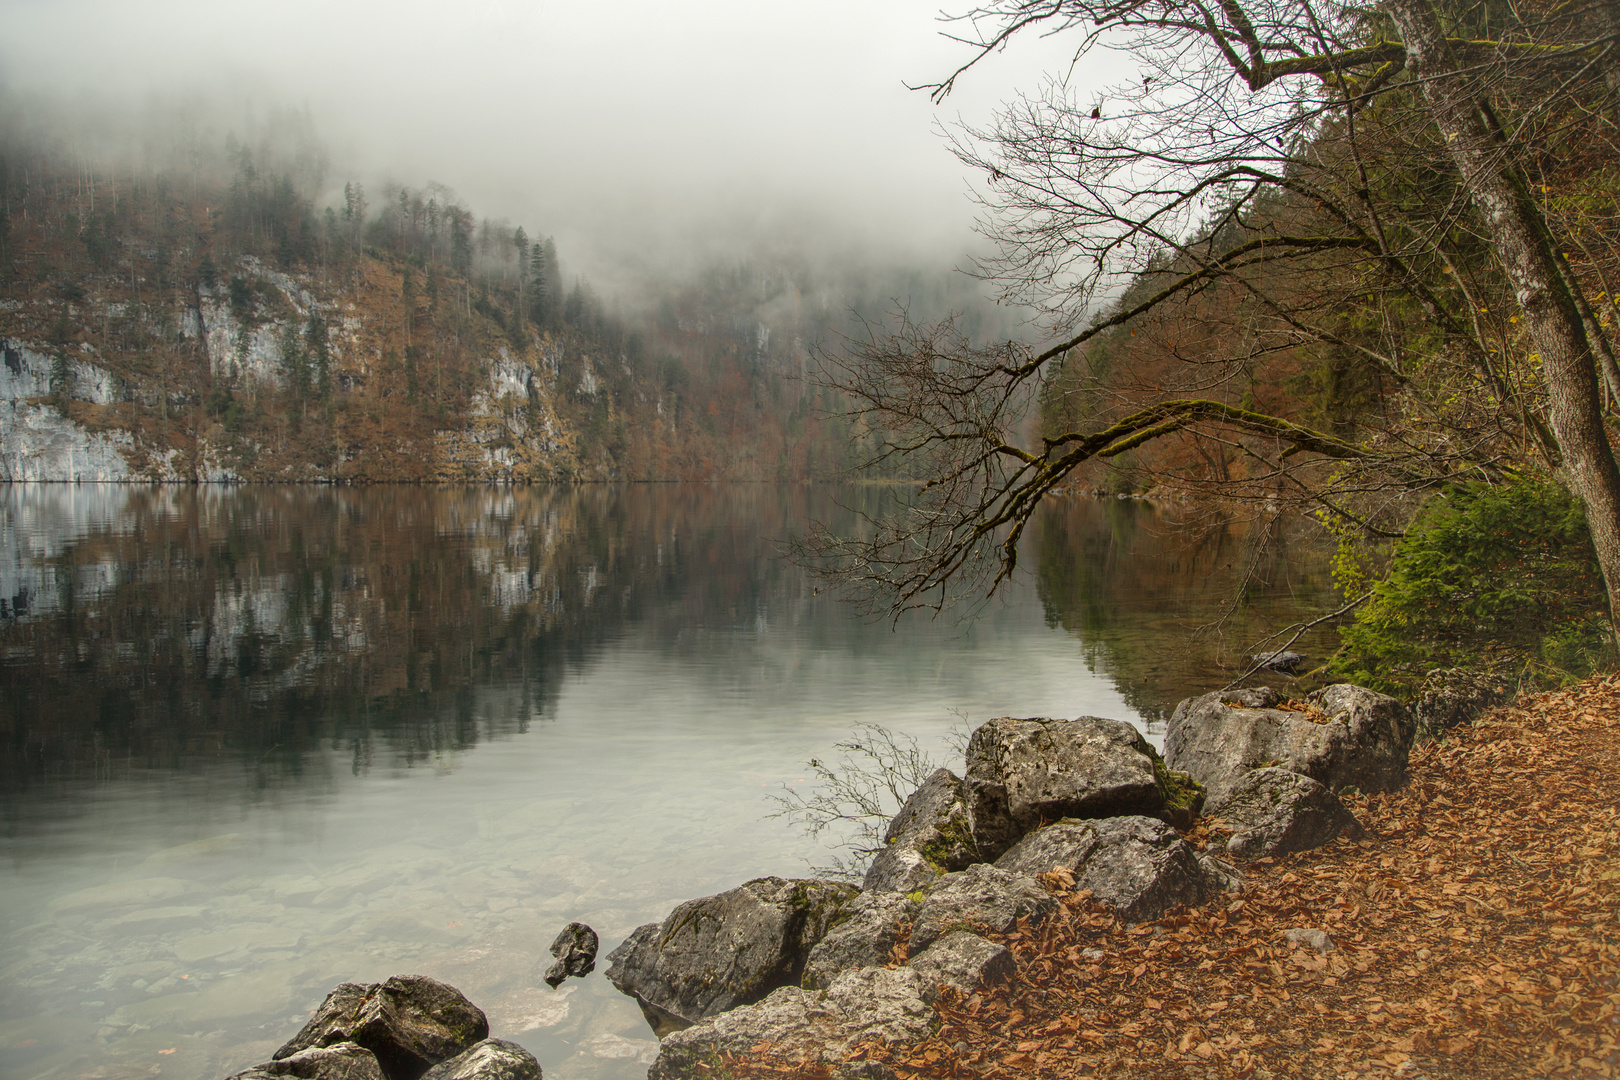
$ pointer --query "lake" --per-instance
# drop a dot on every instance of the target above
(260, 741)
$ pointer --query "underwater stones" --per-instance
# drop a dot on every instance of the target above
(575, 950)
(410, 1022)
(718, 952)
(1021, 773)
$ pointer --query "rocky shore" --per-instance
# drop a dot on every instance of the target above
(1046, 814)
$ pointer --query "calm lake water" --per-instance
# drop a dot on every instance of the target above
(259, 741)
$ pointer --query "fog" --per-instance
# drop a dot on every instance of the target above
(641, 135)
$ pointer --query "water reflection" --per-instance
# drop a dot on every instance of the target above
(1171, 601)
(263, 740)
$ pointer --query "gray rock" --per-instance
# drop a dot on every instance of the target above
(1277, 812)
(410, 1022)
(1286, 662)
(492, 1059)
(1021, 773)
(872, 924)
(930, 836)
(1221, 875)
(1307, 936)
(1450, 697)
(883, 1004)
(1138, 866)
(1354, 737)
(718, 952)
(964, 960)
(900, 869)
(979, 897)
(340, 1061)
(575, 950)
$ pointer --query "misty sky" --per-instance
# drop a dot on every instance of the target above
(627, 130)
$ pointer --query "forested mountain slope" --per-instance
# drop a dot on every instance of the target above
(211, 322)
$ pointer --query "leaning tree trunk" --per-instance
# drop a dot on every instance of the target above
(1523, 244)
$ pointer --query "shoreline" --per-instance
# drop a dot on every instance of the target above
(1475, 930)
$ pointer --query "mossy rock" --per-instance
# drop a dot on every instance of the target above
(1183, 796)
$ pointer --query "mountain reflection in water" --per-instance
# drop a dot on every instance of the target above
(262, 740)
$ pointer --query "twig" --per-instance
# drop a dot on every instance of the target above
(1351, 606)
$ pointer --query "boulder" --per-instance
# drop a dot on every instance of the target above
(822, 1026)
(1340, 736)
(340, 1061)
(1137, 865)
(1022, 773)
(492, 1059)
(1277, 812)
(981, 896)
(718, 952)
(871, 926)
(964, 960)
(1450, 697)
(410, 1022)
(930, 836)
(575, 950)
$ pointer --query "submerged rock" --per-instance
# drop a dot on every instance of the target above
(410, 1022)
(492, 1059)
(930, 836)
(1277, 811)
(884, 1004)
(1138, 866)
(1345, 735)
(575, 950)
(981, 896)
(1021, 773)
(718, 952)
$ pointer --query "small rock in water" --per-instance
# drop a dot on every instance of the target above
(1316, 939)
(575, 950)
(1286, 662)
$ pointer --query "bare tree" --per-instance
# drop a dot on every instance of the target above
(1285, 181)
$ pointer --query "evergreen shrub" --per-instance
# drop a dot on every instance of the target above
(1496, 577)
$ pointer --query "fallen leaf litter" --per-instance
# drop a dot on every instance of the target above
(1475, 933)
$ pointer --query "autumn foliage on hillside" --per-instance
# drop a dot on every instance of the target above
(404, 339)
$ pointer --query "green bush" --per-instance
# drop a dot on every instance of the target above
(1496, 577)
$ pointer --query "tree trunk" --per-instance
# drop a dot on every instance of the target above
(1523, 244)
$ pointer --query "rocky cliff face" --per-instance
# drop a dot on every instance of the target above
(210, 392)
